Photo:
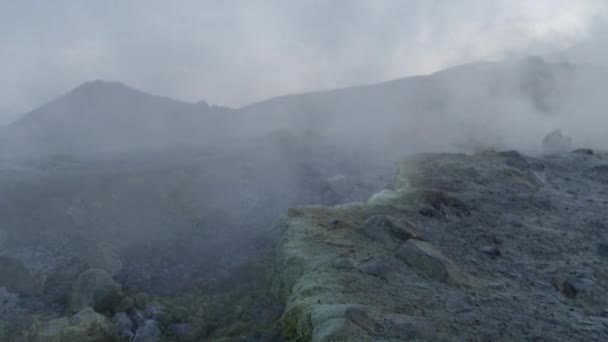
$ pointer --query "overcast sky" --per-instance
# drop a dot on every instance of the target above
(238, 52)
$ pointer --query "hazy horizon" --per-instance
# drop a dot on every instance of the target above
(322, 170)
(240, 53)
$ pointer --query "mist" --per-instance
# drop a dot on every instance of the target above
(151, 154)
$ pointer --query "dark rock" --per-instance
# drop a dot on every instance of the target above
(408, 328)
(602, 250)
(181, 330)
(427, 212)
(125, 335)
(492, 251)
(148, 332)
(126, 304)
(138, 317)
(572, 287)
(95, 288)
(334, 224)
(123, 321)
(514, 159)
(583, 151)
(599, 173)
(440, 202)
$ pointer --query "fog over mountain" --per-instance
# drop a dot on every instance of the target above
(379, 171)
(235, 54)
(504, 105)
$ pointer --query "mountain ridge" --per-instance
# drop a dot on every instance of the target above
(509, 104)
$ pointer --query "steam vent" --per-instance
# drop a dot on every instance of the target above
(456, 244)
(304, 171)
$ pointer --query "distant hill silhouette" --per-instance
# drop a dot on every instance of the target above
(108, 117)
(475, 106)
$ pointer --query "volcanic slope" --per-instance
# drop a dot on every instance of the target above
(494, 246)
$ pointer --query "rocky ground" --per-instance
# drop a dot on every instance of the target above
(494, 246)
(160, 246)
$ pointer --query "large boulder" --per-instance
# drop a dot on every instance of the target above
(428, 260)
(389, 230)
(148, 332)
(85, 326)
(342, 322)
(356, 322)
(15, 277)
(95, 288)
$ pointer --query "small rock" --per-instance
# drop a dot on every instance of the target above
(8, 301)
(602, 250)
(599, 173)
(375, 266)
(123, 321)
(584, 151)
(153, 310)
(95, 288)
(148, 332)
(138, 317)
(85, 326)
(344, 322)
(343, 263)
(157, 312)
(389, 230)
(181, 330)
(125, 335)
(427, 259)
(440, 202)
(17, 278)
(408, 328)
(572, 287)
(126, 304)
(492, 251)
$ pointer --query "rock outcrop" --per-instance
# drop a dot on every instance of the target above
(85, 326)
(491, 246)
(427, 259)
(95, 288)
